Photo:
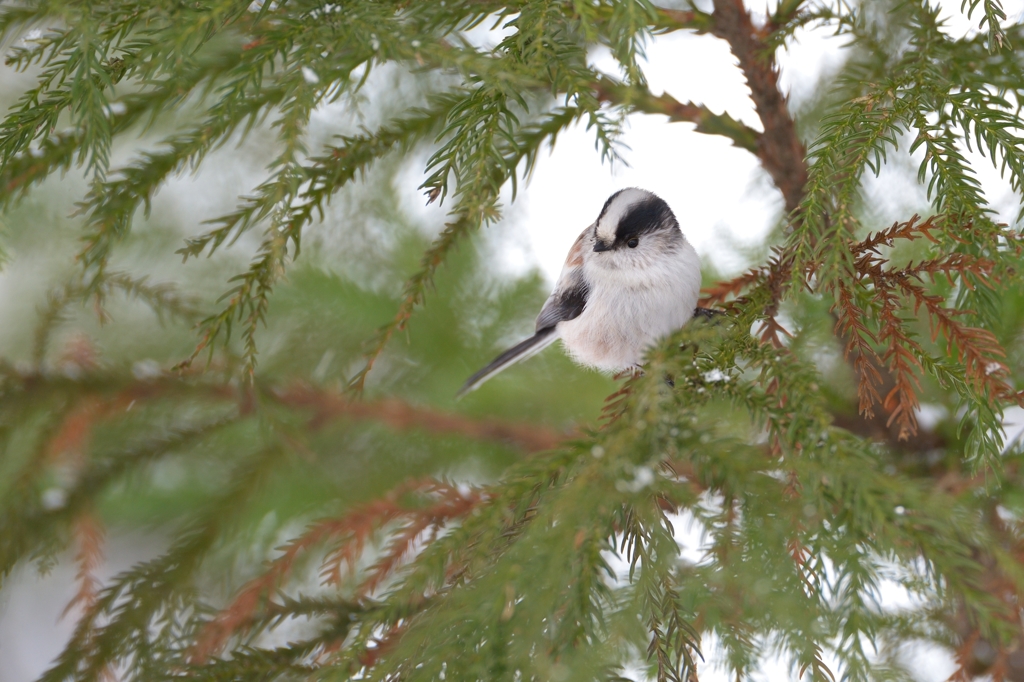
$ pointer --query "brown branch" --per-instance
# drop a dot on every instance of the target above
(771, 332)
(707, 122)
(452, 504)
(866, 363)
(780, 151)
(397, 414)
(901, 402)
(355, 527)
(977, 349)
(106, 395)
(979, 654)
(676, 19)
(874, 378)
(779, 148)
(961, 264)
(717, 294)
(909, 230)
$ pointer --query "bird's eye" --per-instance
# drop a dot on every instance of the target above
(632, 243)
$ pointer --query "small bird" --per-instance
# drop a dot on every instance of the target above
(630, 279)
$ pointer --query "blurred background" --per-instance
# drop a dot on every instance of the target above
(348, 282)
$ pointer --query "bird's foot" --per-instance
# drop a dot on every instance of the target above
(707, 313)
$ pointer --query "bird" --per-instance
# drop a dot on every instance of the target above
(630, 279)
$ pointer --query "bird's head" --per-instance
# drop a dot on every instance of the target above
(635, 228)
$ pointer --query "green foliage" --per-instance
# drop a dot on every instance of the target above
(333, 514)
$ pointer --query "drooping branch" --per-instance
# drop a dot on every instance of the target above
(347, 537)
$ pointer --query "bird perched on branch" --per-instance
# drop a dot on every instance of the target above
(630, 279)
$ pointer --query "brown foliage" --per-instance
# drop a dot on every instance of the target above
(891, 289)
(349, 536)
(890, 294)
(900, 354)
(717, 294)
(851, 323)
(774, 277)
(89, 536)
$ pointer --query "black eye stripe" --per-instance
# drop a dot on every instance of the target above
(644, 217)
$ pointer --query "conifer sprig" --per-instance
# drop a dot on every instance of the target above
(991, 16)
(166, 302)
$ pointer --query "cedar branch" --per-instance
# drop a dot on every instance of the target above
(707, 122)
(105, 395)
(402, 416)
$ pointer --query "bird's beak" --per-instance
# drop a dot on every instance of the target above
(601, 246)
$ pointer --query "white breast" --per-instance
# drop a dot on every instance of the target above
(625, 314)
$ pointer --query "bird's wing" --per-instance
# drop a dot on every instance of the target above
(569, 298)
(566, 302)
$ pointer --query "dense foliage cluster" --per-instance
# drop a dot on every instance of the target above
(333, 515)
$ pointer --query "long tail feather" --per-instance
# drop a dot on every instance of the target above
(520, 351)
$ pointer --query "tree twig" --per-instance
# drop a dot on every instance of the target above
(708, 122)
(779, 148)
(398, 414)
